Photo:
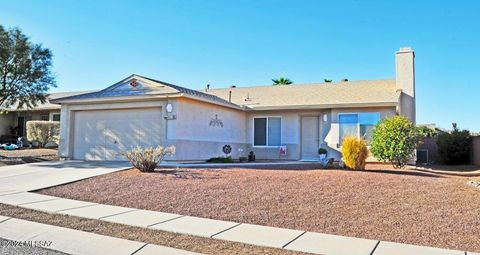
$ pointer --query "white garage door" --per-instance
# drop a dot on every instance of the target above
(103, 135)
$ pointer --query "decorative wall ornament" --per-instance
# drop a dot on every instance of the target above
(216, 122)
(133, 83)
(227, 149)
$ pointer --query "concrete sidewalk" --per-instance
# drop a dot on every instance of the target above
(289, 239)
(73, 241)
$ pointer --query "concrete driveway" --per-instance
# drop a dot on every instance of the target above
(28, 177)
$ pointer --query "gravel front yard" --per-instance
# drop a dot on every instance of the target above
(403, 206)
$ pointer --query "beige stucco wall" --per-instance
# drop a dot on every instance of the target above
(188, 128)
(197, 139)
(291, 126)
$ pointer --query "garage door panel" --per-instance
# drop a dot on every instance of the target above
(95, 153)
(103, 135)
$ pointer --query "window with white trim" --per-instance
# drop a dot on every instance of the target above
(267, 131)
(357, 124)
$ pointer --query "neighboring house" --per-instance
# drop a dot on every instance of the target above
(303, 117)
(16, 119)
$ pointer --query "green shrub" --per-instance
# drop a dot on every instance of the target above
(354, 152)
(147, 159)
(454, 148)
(243, 159)
(220, 160)
(43, 131)
(394, 140)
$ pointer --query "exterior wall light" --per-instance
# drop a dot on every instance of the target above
(169, 108)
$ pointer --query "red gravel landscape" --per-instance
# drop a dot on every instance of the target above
(405, 206)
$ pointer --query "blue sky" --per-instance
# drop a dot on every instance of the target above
(192, 43)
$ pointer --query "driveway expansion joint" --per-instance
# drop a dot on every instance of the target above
(77, 207)
(141, 247)
(14, 192)
(2, 221)
(283, 247)
(158, 223)
(115, 214)
(61, 211)
(374, 248)
(51, 199)
(225, 230)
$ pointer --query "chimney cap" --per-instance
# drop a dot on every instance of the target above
(405, 49)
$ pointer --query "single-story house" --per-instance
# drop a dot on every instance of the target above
(300, 118)
(13, 121)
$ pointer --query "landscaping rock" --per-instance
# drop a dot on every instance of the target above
(475, 184)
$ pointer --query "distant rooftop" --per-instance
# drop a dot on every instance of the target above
(52, 96)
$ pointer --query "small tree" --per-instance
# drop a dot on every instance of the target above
(394, 140)
(454, 148)
(354, 152)
(43, 131)
(282, 81)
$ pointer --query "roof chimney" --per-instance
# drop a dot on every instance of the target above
(405, 81)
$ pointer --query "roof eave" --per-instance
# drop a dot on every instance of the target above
(115, 99)
(324, 106)
(36, 109)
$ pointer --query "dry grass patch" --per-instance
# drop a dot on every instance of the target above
(24, 156)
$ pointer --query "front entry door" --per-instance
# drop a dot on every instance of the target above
(310, 139)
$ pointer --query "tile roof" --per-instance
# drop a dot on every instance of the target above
(192, 92)
(295, 96)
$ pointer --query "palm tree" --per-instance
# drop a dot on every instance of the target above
(282, 81)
